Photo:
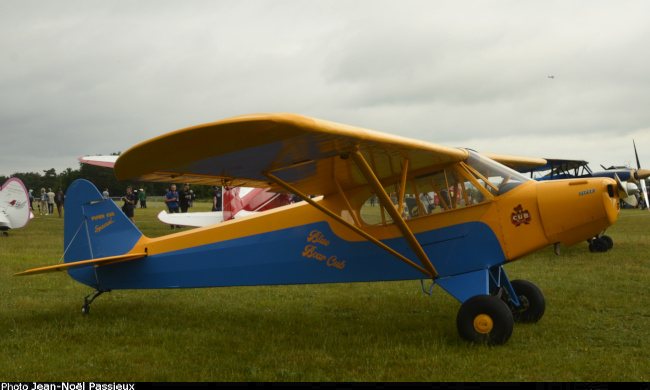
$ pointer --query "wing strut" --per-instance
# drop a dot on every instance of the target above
(350, 226)
(385, 201)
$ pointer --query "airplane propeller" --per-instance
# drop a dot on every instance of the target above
(642, 174)
(626, 191)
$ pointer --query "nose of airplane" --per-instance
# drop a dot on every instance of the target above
(642, 174)
(576, 210)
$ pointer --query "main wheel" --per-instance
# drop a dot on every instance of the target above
(597, 245)
(608, 240)
(533, 303)
(485, 319)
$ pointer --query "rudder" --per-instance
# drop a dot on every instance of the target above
(95, 227)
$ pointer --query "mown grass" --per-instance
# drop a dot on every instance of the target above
(596, 326)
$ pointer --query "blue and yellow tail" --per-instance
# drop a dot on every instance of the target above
(96, 232)
(95, 227)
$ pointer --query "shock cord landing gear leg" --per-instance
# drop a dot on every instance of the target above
(86, 307)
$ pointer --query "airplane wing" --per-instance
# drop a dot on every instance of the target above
(308, 153)
(102, 161)
(196, 219)
(564, 164)
(531, 164)
(520, 164)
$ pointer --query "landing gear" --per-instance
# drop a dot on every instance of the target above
(531, 299)
(608, 240)
(600, 244)
(597, 245)
(85, 309)
(485, 319)
(494, 304)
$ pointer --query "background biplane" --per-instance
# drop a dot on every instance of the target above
(554, 169)
(489, 215)
(15, 210)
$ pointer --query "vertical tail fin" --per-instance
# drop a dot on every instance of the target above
(94, 227)
(14, 205)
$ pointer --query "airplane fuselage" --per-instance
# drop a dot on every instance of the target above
(298, 244)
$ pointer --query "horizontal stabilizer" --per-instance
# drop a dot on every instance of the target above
(84, 263)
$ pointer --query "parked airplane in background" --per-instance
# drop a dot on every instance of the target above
(553, 169)
(15, 210)
(238, 202)
(490, 215)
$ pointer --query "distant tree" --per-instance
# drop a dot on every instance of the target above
(67, 177)
(50, 180)
(32, 180)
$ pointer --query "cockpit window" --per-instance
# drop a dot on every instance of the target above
(475, 181)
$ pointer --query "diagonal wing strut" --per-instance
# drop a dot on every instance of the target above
(385, 201)
(428, 269)
(345, 223)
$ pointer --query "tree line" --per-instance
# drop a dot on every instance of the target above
(101, 177)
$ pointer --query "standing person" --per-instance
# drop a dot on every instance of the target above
(43, 206)
(50, 201)
(185, 197)
(105, 193)
(31, 200)
(216, 198)
(59, 198)
(143, 199)
(172, 201)
(129, 203)
(135, 195)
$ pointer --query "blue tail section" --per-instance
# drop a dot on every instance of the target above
(94, 227)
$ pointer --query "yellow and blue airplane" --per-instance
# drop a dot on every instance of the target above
(353, 224)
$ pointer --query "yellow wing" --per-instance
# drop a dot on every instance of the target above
(518, 163)
(307, 152)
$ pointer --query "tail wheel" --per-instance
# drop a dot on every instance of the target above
(533, 303)
(485, 319)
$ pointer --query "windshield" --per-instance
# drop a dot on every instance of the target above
(500, 179)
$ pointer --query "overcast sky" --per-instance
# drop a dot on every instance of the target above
(94, 77)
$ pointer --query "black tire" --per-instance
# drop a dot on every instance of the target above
(597, 245)
(533, 303)
(608, 240)
(485, 319)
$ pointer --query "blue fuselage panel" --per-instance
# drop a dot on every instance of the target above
(304, 254)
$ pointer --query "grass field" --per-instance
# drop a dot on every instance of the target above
(596, 326)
